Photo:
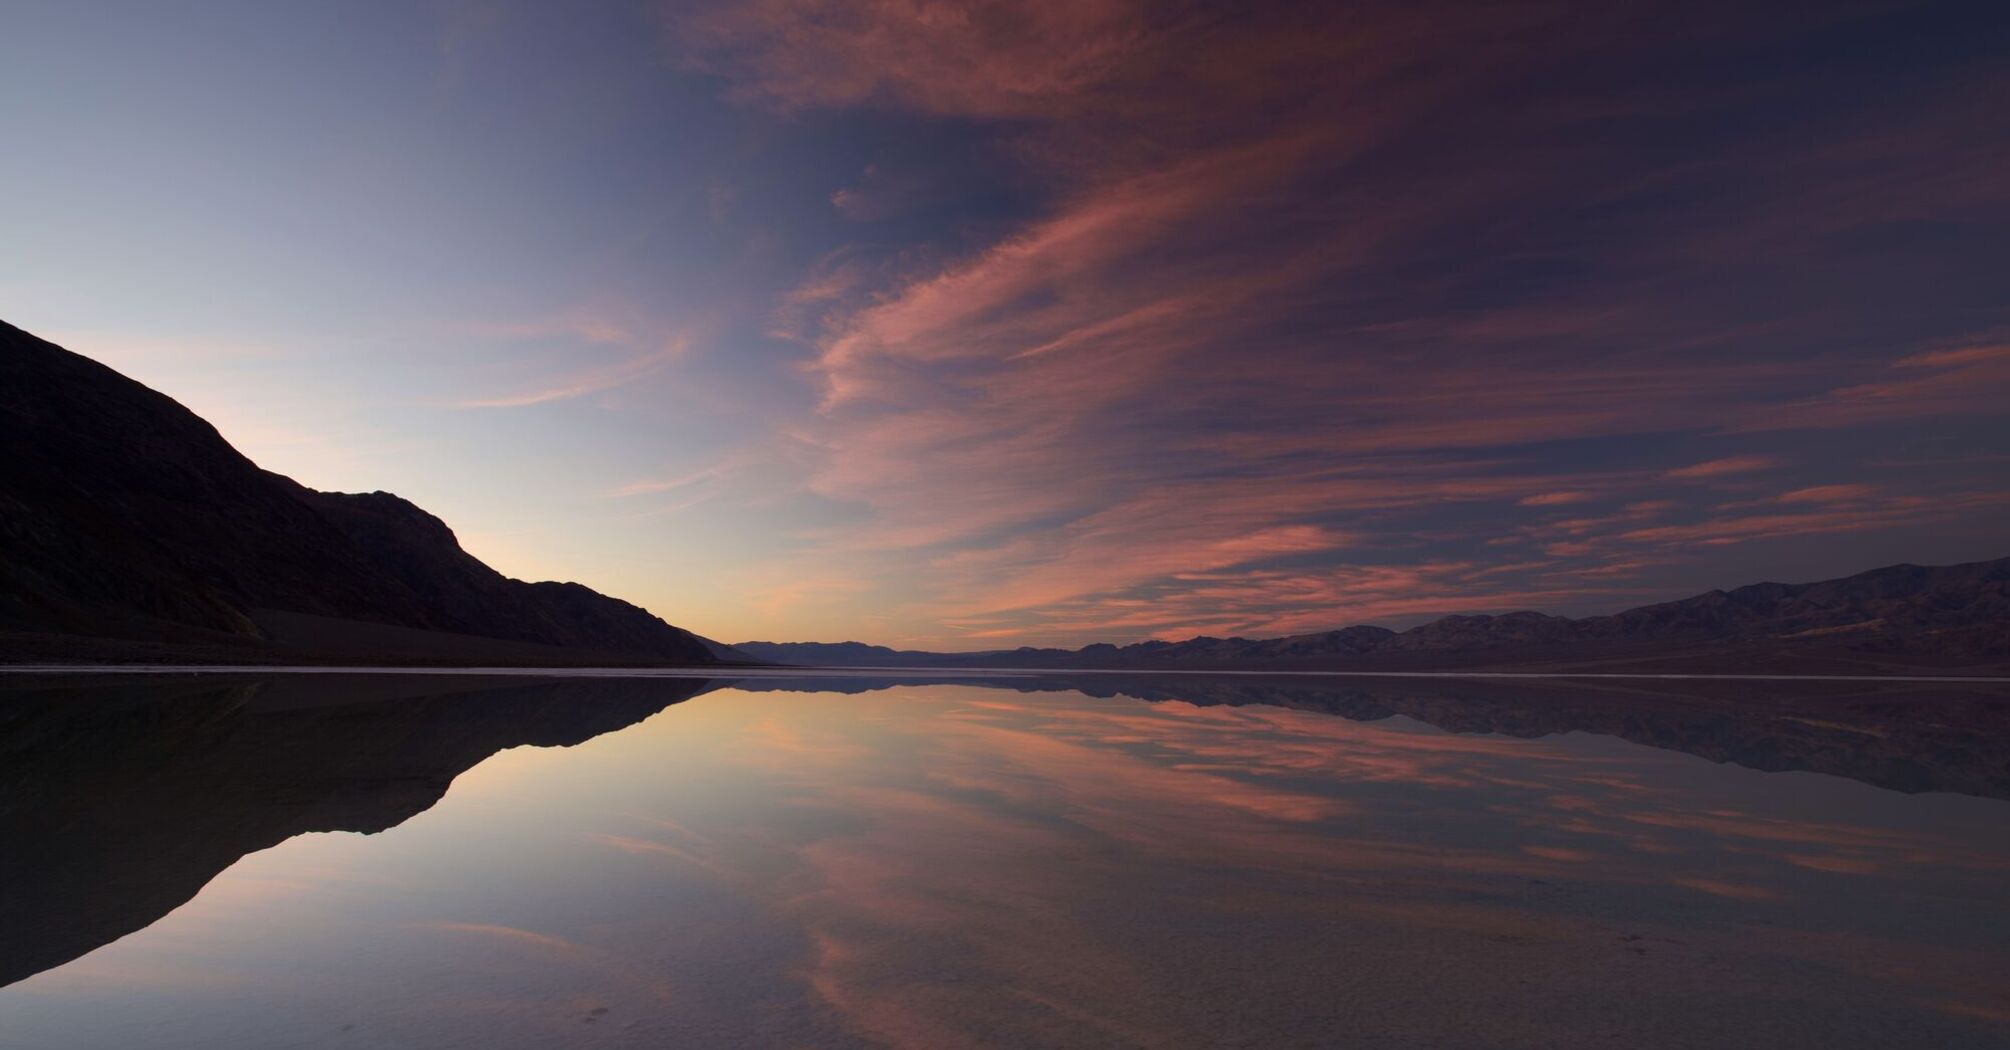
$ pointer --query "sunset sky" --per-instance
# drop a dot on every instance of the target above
(1055, 321)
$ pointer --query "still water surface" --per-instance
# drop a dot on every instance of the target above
(1014, 863)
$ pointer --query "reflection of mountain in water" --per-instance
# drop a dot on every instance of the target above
(1901, 736)
(118, 802)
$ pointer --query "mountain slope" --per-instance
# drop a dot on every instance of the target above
(124, 515)
(463, 595)
(1957, 615)
(117, 504)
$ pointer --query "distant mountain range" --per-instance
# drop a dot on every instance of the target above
(131, 530)
(1952, 617)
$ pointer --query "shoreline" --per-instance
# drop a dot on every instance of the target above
(797, 671)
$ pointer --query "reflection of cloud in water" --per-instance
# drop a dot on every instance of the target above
(950, 866)
(989, 865)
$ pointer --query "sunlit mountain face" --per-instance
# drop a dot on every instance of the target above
(969, 326)
(1034, 860)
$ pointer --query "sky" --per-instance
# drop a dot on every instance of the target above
(1044, 322)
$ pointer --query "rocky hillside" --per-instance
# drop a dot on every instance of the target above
(123, 515)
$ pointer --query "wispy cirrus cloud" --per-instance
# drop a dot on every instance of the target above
(579, 352)
(1945, 383)
(591, 380)
(1727, 467)
(989, 60)
(657, 486)
(1261, 329)
(1553, 499)
(1830, 494)
(1830, 517)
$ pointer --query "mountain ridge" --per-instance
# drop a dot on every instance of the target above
(1954, 614)
(133, 520)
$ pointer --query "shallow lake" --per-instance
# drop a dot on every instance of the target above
(463, 861)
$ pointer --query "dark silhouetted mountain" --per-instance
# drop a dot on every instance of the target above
(125, 516)
(465, 596)
(838, 654)
(1955, 616)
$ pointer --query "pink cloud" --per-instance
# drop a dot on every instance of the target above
(1833, 517)
(635, 357)
(1177, 381)
(1553, 499)
(999, 59)
(1941, 383)
(1830, 494)
(653, 486)
(1728, 466)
